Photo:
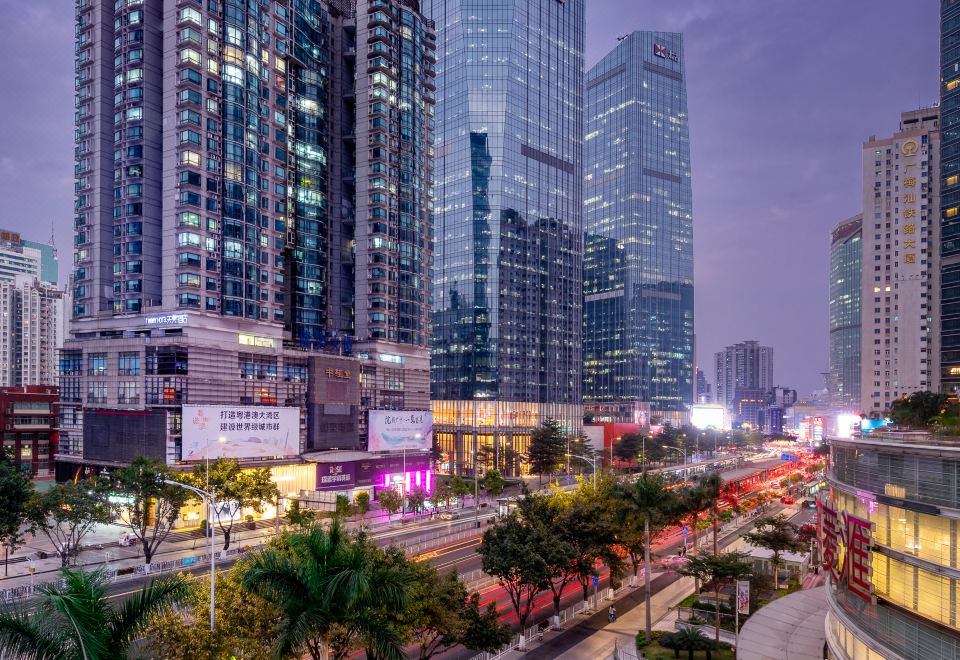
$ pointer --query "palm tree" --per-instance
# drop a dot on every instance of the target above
(712, 486)
(329, 584)
(75, 621)
(778, 535)
(647, 499)
(695, 501)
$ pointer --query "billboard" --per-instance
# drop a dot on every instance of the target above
(393, 430)
(594, 436)
(706, 417)
(240, 432)
(122, 435)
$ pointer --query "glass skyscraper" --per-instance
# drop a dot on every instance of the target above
(506, 346)
(638, 260)
(845, 286)
(950, 196)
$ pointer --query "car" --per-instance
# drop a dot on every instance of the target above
(809, 504)
(672, 561)
(786, 499)
(446, 516)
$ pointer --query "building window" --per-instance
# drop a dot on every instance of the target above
(129, 364)
(96, 392)
(128, 392)
(97, 364)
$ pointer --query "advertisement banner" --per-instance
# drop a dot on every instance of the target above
(240, 432)
(743, 596)
(395, 430)
(336, 476)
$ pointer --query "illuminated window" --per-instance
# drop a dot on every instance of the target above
(951, 212)
(952, 180)
(953, 84)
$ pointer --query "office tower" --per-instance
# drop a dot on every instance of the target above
(949, 305)
(31, 312)
(638, 221)
(899, 351)
(217, 217)
(746, 366)
(507, 320)
(845, 288)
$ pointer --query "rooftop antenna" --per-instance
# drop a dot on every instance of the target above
(53, 235)
(622, 37)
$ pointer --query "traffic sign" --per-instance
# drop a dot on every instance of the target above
(686, 530)
(596, 581)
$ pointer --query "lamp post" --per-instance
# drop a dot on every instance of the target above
(682, 451)
(207, 496)
(593, 462)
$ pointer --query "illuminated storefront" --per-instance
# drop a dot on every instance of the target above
(889, 530)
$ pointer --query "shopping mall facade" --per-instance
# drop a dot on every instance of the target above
(889, 529)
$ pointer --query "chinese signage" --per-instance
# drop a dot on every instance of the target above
(240, 432)
(167, 319)
(340, 374)
(853, 536)
(665, 53)
(393, 430)
(336, 476)
(909, 200)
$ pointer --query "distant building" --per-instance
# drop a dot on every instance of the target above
(745, 366)
(899, 351)
(31, 312)
(704, 390)
(748, 407)
(845, 294)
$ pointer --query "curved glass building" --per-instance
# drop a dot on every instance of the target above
(845, 272)
(893, 512)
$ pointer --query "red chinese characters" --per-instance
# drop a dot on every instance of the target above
(829, 532)
(856, 559)
(855, 533)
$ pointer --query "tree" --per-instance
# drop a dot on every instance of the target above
(440, 616)
(628, 447)
(712, 486)
(341, 506)
(76, 620)
(441, 495)
(236, 489)
(647, 499)
(917, 409)
(493, 482)
(362, 502)
(547, 448)
(326, 583)
(67, 512)
(15, 492)
(719, 570)
(416, 499)
(778, 535)
(689, 640)
(245, 624)
(558, 554)
(511, 461)
(511, 551)
(459, 487)
(390, 501)
(299, 516)
(156, 504)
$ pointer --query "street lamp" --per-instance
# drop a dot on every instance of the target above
(682, 451)
(206, 496)
(593, 462)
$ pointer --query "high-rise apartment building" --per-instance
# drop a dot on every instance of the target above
(899, 351)
(743, 366)
(638, 223)
(221, 241)
(845, 288)
(507, 319)
(31, 312)
(949, 182)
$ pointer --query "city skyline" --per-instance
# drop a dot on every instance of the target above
(735, 53)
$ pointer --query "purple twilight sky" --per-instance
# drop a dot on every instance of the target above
(781, 96)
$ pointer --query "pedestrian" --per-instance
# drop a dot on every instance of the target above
(612, 614)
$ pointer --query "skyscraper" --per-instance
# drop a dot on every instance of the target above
(743, 366)
(638, 219)
(899, 351)
(507, 321)
(845, 289)
(31, 312)
(949, 222)
(220, 241)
